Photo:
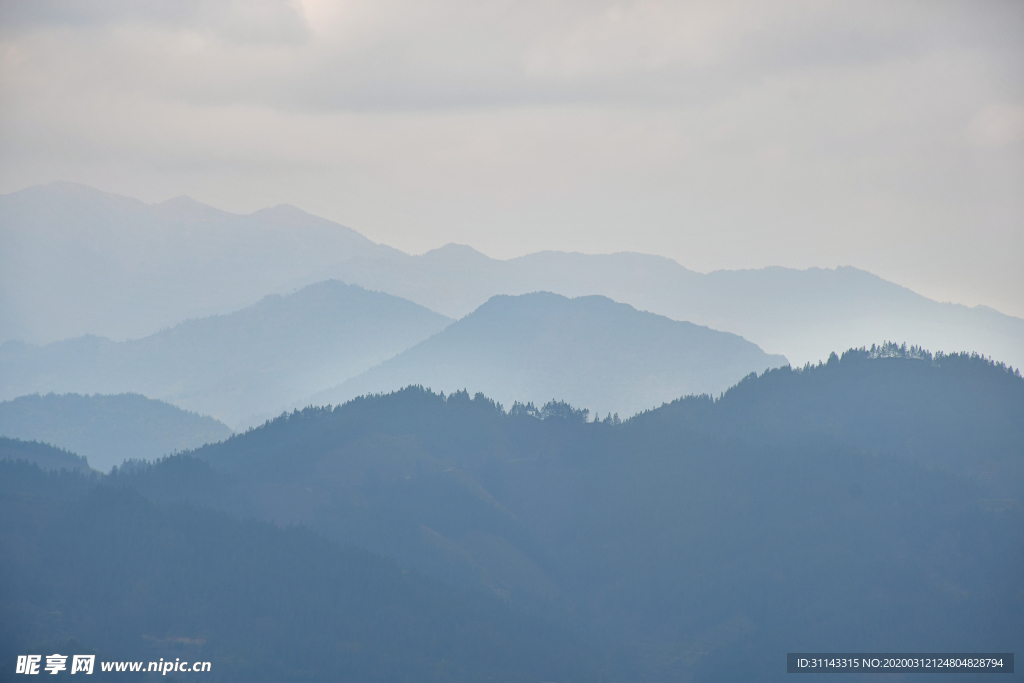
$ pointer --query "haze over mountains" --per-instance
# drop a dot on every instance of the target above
(590, 351)
(802, 314)
(78, 261)
(281, 447)
(240, 367)
(82, 261)
(246, 366)
(108, 430)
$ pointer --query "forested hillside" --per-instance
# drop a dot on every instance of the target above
(94, 569)
(699, 541)
(958, 412)
(44, 455)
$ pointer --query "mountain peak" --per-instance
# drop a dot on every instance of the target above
(453, 252)
(290, 213)
(590, 351)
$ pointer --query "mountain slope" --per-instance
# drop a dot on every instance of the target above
(960, 413)
(79, 261)
(694, 542)
(108, 429)
(258, 602)
(700, 537)
(589, 351)
(803, 314)
(234, 366)
(44, 455)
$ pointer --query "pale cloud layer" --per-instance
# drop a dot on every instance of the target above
(888, 136)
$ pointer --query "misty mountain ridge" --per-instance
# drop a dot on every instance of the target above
(251, 362)
(589, 351)
(70, 247)
(108, 429)
(152, 266)
(693, 540)
(802, 314)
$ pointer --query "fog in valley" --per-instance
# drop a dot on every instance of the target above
(544, 341)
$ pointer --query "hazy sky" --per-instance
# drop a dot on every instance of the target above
(884, 135)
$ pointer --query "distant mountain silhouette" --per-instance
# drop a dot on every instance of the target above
(251, 362)
(803, 314)
(589, 351)
(108, 429)
(78, 261)
(44, 455)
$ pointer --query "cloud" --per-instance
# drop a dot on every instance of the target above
(997, 125)
(723, 134)
(238, 21)
(399, 54)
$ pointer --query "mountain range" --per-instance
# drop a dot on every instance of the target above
(330, 342)
(802, 314)
(589, 351)
(79, 261)
(108, 429)
(240, 367)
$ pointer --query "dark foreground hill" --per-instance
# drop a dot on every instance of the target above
(93, 569)
(108, 429)
(957, 412)
(43, 455)
(700, 541)
(590, 351)
(251, 362)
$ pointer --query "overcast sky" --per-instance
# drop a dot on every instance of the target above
(883, 135)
